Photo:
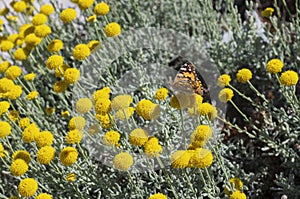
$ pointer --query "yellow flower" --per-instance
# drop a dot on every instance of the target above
(126, 113)
(21, 154)
(4, 66)
(158, 196)
(244, 75)
(43, 196)
(28, 187)
(6, 45)
(54, 61)
(30, 132)
(85, 4)
(112, 29)
(101, 9)
(18, 167)
(13, 72)
(182, 101)
(24, 122)
(77, 122)
(13, 37)
(39, 19)
(59, 71)
(70, 177)
(102, 106)
(224, 80)
(65, 114)
(5, 129)
(201, 158)
(138, 137)
(92, 18)
(21, 54)
(195, 109)
(4, 11)
(121, 102)
(55, 45)
(45, 155)
(42, 30)
(19, 6)
(267, 12)
(4, 106)
(289, 78)
(68, 15)
(180, 159)
(6, 85)
(102, 93)
(112, 138)
(123, 161)
(47, 9)
(93, 44)
(200, 136)
(32, 95)
(60, 86)
(237, 195)
(161, 94)
(71, 75)
(74, 136)
(105, 120)
(147, 109)
(3, 152)
(83, 105)
(29, 76)
(238, 184)
(225, 95)
(274, 66)
(68, 156)
(13, 93)
(44, 138)
(152, 148)
(81, 51)
(206, 109)
(13, 115)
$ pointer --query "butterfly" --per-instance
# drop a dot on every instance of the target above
(187, 80)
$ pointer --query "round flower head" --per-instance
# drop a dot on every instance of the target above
(289, 78)
(101, 9)
(45, 155)
(121, 102)
(28, 187)
(225, 95)
(47, 9)
(71, 75)
(68, 156)
(244, 75)
(19, 6)
(161, 94)
(39, 19)
(14, 93)
(54, 61)
(13, 115)
(274, 66)
(13, 72)
(77, 122)
(45, 138)
(224, 80)
(112, 29)
(152, 148)
(68, 15)
(207, 109)
(81, 51)
(102, 93)
(126, 113)
(21, 54)
(59, 71)
(85, 4)
(32, 95)
(43, 196)
(92, 19)
(147, 109)
(83, 105)
(201, 158)
(267, 12)
(180, 159)
(30, 132)
(18, 167)
(238, 184)
(112, 138)
(24, 122)
(200, 136)
(55, 45)
(70, 177)
(4, 106)
(42, 30)
(93, 44)
(29, 76)
(182, 101)
(102, 106)
(5, 129)
(74, 136)
(105, 120)
(138, 137)
(6, 45)
(4, 66)
(158, 196)
(60, 86)
(21, 154)
(123, 161)
(237, 195)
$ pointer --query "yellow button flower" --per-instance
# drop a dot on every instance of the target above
(103, 106)
(4, 106)
(126, 113)
(77, 122)
(55, 45)
(244, 75)
(6, 45)
(29, 76)
(225, 95)
(102, 93)
(158, 196)
(180, 159)
(121, 102)
(224, 80)
(74, 136)
(201, 158)
(148, 110)
(83, 105)
(138, 137)
(43, 196)
(161, 94)
(123, 161)
(105, 120)
(289, 78)
(71, 75)
(32, 95)
(152, 148)
(274, 66)
(5, 129)
(4, 66)
(39, 19)
(54, 61)
(112, 138)
(81, 52)
(13, 72)
(237, 195)
(68, 156)
(21, 154)
(19, 6)
(28, 187)
(101, 9)
(24, 122)
(112, 29)
(47, 9)
(68, 15)
(30, 132)
(60, 86)
(45, 155)
(18, 167)
(85, 4)
(21, 54)
(42, 30)
(44, 138)
(267, 12)
(200, 136)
